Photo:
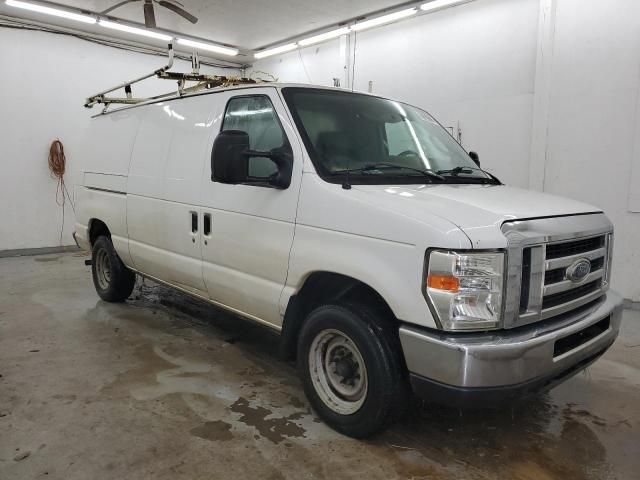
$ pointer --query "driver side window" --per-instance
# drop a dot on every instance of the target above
(256, 116)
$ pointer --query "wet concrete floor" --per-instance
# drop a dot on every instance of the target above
(166, 387)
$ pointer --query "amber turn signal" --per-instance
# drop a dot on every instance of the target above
(443, 282)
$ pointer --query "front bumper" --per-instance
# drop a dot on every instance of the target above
(464, 369)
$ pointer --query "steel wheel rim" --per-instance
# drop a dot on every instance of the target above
(103, 269)
(338, 372)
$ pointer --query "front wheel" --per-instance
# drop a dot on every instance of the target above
(351, 368)
(114, 282)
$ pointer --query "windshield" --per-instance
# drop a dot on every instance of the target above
(376, 140)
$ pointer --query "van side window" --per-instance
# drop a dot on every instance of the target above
(255, 116)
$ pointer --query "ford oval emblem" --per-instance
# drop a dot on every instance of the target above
(578, 270)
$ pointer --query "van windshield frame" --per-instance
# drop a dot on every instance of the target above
(364, 136)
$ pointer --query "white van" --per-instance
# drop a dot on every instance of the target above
(359, 229)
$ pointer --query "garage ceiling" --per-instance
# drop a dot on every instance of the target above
(246, 23)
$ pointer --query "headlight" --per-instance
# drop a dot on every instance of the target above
(464, 290)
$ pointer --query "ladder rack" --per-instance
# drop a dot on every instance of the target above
(202, 82)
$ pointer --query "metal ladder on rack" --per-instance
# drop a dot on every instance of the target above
(202, 82)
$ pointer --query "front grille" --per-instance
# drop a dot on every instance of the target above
(550, 264)
(554, 276)
(559, 274)
(568, 295)
(558, 289)
(597, 264)
(577, 339)
(546, 275)
(566, 249)
(526, 279)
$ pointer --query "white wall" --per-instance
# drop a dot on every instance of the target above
(44, 80)
(593, 122)
(472, 64)
(478, 64)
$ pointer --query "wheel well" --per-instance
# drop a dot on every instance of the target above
(322, 288)
(96, 229)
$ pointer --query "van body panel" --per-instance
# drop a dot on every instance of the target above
(108, 207)
(110, 182)
(181, 191)
(478, 210)
(109, 141)
(105, 157)
(392, 269)
(145, 213)
(380, 246)
(245, 261)
(164, 192)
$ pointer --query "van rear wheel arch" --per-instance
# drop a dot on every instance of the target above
(97, 228)
(322, 288)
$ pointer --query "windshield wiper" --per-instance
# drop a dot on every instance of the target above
(391, 166)
(454, 172)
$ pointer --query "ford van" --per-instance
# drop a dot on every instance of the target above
(358, 228)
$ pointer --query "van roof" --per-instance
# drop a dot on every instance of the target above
(278, 85)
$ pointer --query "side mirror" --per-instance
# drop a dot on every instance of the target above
(233, 162)
(476, 159)
(228, 164)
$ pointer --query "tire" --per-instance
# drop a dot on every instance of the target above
(114, 282)
(356, 400)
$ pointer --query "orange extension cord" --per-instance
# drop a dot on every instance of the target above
(57, 167)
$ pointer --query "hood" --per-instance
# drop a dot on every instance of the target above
(476, 209)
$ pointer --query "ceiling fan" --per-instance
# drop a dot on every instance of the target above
(149, 14)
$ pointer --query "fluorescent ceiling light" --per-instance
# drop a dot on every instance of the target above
(209, 47)
(436, 4)
(134, 30)
(374, 22)
(324, 36)
(51, 11)
(274, 51)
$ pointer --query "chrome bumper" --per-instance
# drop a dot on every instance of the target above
(505, 359)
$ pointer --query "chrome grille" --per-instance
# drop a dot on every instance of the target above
(558, 274)
(565, 296)
(539, 254)
(560, 294)
(576, 247)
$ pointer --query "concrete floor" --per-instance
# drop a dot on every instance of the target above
(165, 387)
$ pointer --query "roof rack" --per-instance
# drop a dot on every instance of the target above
(202, 82)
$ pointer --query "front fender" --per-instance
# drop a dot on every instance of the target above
(392, 269)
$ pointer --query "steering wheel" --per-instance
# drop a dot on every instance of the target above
(407, 153)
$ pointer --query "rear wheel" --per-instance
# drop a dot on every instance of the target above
(113, 281)
(351, 367)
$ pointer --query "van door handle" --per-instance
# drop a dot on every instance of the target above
(194, 222)
(206, 228)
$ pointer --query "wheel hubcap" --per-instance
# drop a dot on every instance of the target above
(338, 372)
(103, 269)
